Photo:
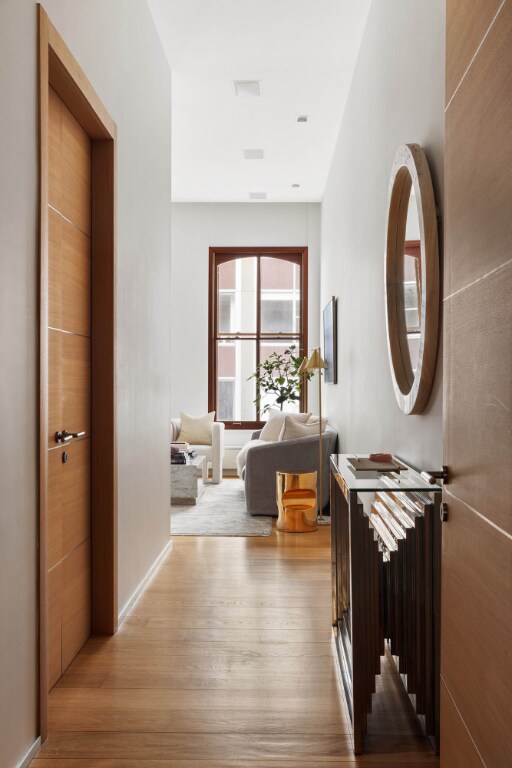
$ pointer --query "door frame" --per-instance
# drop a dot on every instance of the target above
(59, 69)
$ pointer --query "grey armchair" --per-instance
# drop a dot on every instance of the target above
(300, 455)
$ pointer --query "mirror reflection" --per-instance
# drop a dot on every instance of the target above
(412, 281)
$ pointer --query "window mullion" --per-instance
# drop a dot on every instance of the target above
(258, 328)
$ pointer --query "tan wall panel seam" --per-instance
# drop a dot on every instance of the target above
(482, 41)
(462, 720)
(479, 514)
(479, 279)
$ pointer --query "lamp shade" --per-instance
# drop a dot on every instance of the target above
(315, 362)
(303, 366)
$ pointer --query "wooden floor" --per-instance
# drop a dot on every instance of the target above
(225, 661)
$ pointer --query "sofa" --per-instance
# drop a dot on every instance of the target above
(214, 453)
(264, 459)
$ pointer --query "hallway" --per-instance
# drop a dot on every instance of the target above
(225, 661)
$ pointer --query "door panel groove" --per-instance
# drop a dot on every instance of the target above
(72, 442)
(70, 333)
(476, 512)
(59, 213)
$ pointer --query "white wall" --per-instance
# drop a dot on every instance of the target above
(116, 44)
(397, 97)
(18, 415)
(196, 227)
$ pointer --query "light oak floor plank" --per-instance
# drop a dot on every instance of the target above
(225, 661)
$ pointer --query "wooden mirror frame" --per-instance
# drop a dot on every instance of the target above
(410, 169)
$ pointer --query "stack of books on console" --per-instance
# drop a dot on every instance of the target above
(374, 465)
(179, 453)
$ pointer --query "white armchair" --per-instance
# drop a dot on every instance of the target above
(214, 453)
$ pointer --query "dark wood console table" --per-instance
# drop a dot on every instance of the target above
(386, 539)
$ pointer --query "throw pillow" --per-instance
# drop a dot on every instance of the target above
(197, 430)
(293, 429)
(275, 422)
(316, 419)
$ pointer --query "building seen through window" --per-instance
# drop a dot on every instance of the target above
(258, 309)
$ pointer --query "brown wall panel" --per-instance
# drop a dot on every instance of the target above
(54, 269)
(458, 749)
(76, 495)
(478, 396)
(477, 626)
(467, 21)
(76, 601)
(69, 276)
(54, 537)
(69, 182)
(76, 172)
(54, 150)
(69, 383)
(76, 382)
(69, 499)
(54, 386)
(76, 280)
(478, 163)
(54, 624)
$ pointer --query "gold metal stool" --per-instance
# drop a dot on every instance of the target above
(296, 502)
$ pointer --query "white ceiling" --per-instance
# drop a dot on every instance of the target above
(302, 51)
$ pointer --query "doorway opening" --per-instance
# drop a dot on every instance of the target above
(77, 460)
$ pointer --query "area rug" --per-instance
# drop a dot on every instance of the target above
(220, 511)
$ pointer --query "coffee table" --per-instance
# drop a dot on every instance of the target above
(186, 486)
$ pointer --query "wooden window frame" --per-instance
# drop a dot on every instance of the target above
(296, 255)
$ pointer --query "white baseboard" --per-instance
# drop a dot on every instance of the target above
(143, 584)
(25, 761)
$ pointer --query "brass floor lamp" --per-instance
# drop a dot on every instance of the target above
(316, 363)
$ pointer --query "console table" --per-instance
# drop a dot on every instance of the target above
(386, 578)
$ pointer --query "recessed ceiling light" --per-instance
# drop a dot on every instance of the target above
(257, 195)
(253, 154)
(247, 87)
(302, 119)
(295, 186)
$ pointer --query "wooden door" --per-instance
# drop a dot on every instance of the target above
(69, 387)
(476, 629)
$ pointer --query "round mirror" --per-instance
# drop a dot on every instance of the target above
(412, 279)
